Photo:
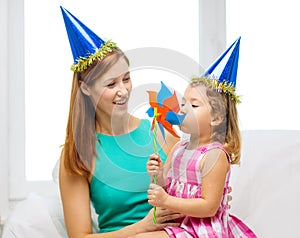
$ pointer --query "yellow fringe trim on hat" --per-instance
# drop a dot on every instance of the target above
(221, 87)
(85, 62)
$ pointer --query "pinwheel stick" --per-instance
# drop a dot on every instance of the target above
(156, 114)
(164, 110)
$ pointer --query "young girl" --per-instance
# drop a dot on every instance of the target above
(195, 182)
(106, 147)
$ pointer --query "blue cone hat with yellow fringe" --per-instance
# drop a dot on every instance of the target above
(222, 74)
(86, 46)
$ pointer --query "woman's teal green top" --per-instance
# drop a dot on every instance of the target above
(118, 190)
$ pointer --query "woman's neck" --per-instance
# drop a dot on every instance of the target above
(116, 125)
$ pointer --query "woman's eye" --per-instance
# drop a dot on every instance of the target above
(182, 104)
(193, 105)
(126, 79)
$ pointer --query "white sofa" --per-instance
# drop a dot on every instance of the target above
(265, 192)
(267, 184)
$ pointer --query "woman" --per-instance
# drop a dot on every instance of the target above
(106, 148)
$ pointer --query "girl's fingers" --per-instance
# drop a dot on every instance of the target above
(153, 157)
(152, 163)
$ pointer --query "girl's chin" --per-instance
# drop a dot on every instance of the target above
(183, 129)
(187, 129)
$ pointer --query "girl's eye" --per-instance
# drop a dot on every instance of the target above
(126, 79)
(182, 104)
(195, 105)
(111, 84)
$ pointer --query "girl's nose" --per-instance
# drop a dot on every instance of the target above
(182, 109)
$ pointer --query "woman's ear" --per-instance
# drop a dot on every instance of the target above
(85, 89)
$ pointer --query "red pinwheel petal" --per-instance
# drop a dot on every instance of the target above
(152, 98)
(169, 104)
(152, 126)
(169, 128)
(172, 103)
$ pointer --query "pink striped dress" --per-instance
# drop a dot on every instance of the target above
(184, 180)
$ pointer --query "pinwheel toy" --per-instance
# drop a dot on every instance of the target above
(164, 109)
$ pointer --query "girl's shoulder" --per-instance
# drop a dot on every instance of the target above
(203, 149)
(214, 150)
(211, 146)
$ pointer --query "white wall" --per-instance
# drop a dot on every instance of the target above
(212, 38)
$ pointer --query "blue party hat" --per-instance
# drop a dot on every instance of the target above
(222, 74)
(225, 67)
(86, 46)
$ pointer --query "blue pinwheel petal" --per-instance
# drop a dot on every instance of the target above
(163, 94)
(161, 127)
(150, 112)
(174, 118)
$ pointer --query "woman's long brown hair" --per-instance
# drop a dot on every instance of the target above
(79, 147)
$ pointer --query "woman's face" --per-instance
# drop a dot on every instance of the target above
(196, 107)
(111, 91)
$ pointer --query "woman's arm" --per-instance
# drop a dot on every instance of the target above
(77, 214)
(212, 191)
(74, 192)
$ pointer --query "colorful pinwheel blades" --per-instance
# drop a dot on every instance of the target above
(164, 108)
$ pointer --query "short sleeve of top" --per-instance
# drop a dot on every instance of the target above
(118, 190)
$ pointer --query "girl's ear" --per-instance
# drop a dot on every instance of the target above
(85, 89)
(216, 121)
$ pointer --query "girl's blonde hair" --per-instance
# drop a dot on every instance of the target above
(227, 130)
(79, 147)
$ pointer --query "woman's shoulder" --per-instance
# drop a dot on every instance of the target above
(139, 122)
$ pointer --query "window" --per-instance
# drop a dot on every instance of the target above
(269, 56)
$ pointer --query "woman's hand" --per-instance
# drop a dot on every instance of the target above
(229, 197)
(154, 166)
(157, 196)
(164, 218)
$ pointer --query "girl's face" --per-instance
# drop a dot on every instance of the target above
(111, 91)
(196, 107)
